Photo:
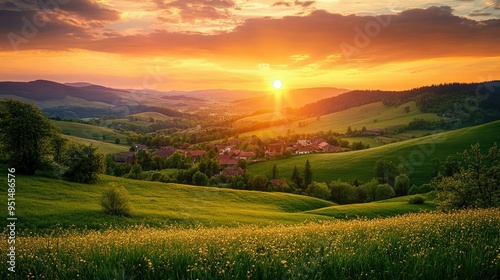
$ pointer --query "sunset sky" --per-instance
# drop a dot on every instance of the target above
(239, 44)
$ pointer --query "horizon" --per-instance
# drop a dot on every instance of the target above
(187, 45)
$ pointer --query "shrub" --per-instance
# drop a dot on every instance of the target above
(416, 199)
(343, 193)
(199, 179)
(319, 190)
(115, 201)
(384, 191)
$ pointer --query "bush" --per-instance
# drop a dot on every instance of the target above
(416, 199)
(343, 193)
(199, 179)
(384, 191)
(115, 201)
(319, 190)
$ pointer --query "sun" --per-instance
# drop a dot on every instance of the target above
(277, 84)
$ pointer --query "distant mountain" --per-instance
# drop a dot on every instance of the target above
(42, 90)
(293, 98)
(79, 84)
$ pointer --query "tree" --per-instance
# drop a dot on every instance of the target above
(259, 183)
(84, 163)
(384, 191)
(199, 179)
(59, 146)
(343, 193)
(296, 178)
(476, 184)
(402, 185)
(318, 190)
(386, 172)
(307, 174)
(274, 171)
(115, 201)
(135, 171)
(117, 141)
(25, 135)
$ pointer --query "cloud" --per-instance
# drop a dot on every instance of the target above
(304, 4)
(328, 39)
(194, 10)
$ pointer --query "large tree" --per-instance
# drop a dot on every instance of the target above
(476, 184)
(84, 163)
(25, 135)
(307, 174)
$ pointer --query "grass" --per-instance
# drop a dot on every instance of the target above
(371, 116)
(416, 155)
(103, 147)
(378, 209)
(144, 116)
(90, 132)
(457, 245)
(48, 204)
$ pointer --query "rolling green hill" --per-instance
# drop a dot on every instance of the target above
(371, 116)
(103, 147)
(45, 203)
(415, 154)
(90, 132)
(377, 209)
(146, 115)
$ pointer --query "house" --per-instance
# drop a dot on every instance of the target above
(329, 148)
(305, 150)
(245, 155)
(233, 142)
(276, 148)
(228, 162)
(139, 147)
(165, 152)
(124, 158)
(277, 182)
(233, 171)
(196, 154)
(304, 142)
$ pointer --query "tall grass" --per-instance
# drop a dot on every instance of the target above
(457, 245)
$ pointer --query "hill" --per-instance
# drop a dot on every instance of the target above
(416, 155)
(372, 116)
(90, 132)
(102, 147)
(435, 99)
(45, 203)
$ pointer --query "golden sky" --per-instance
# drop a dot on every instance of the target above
(244, 44)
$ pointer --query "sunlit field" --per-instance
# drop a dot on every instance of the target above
(458, 245)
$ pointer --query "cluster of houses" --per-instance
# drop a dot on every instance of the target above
(301, 147)
(229, 155)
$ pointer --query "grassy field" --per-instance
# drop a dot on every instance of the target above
(46, 204)
(90, 132)
(372, 116)
(457, 245)
(377, 209)
(103, 147)
(144, 116)
(416, 155)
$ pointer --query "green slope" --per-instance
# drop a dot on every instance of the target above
(144, 116)
(102, 147)
(372, 116)
(90, 131)
(378, 209)
(45, 203)
(416, 155)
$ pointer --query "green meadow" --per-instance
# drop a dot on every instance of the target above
(90, 132)
(371, 116)
(415, 154)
